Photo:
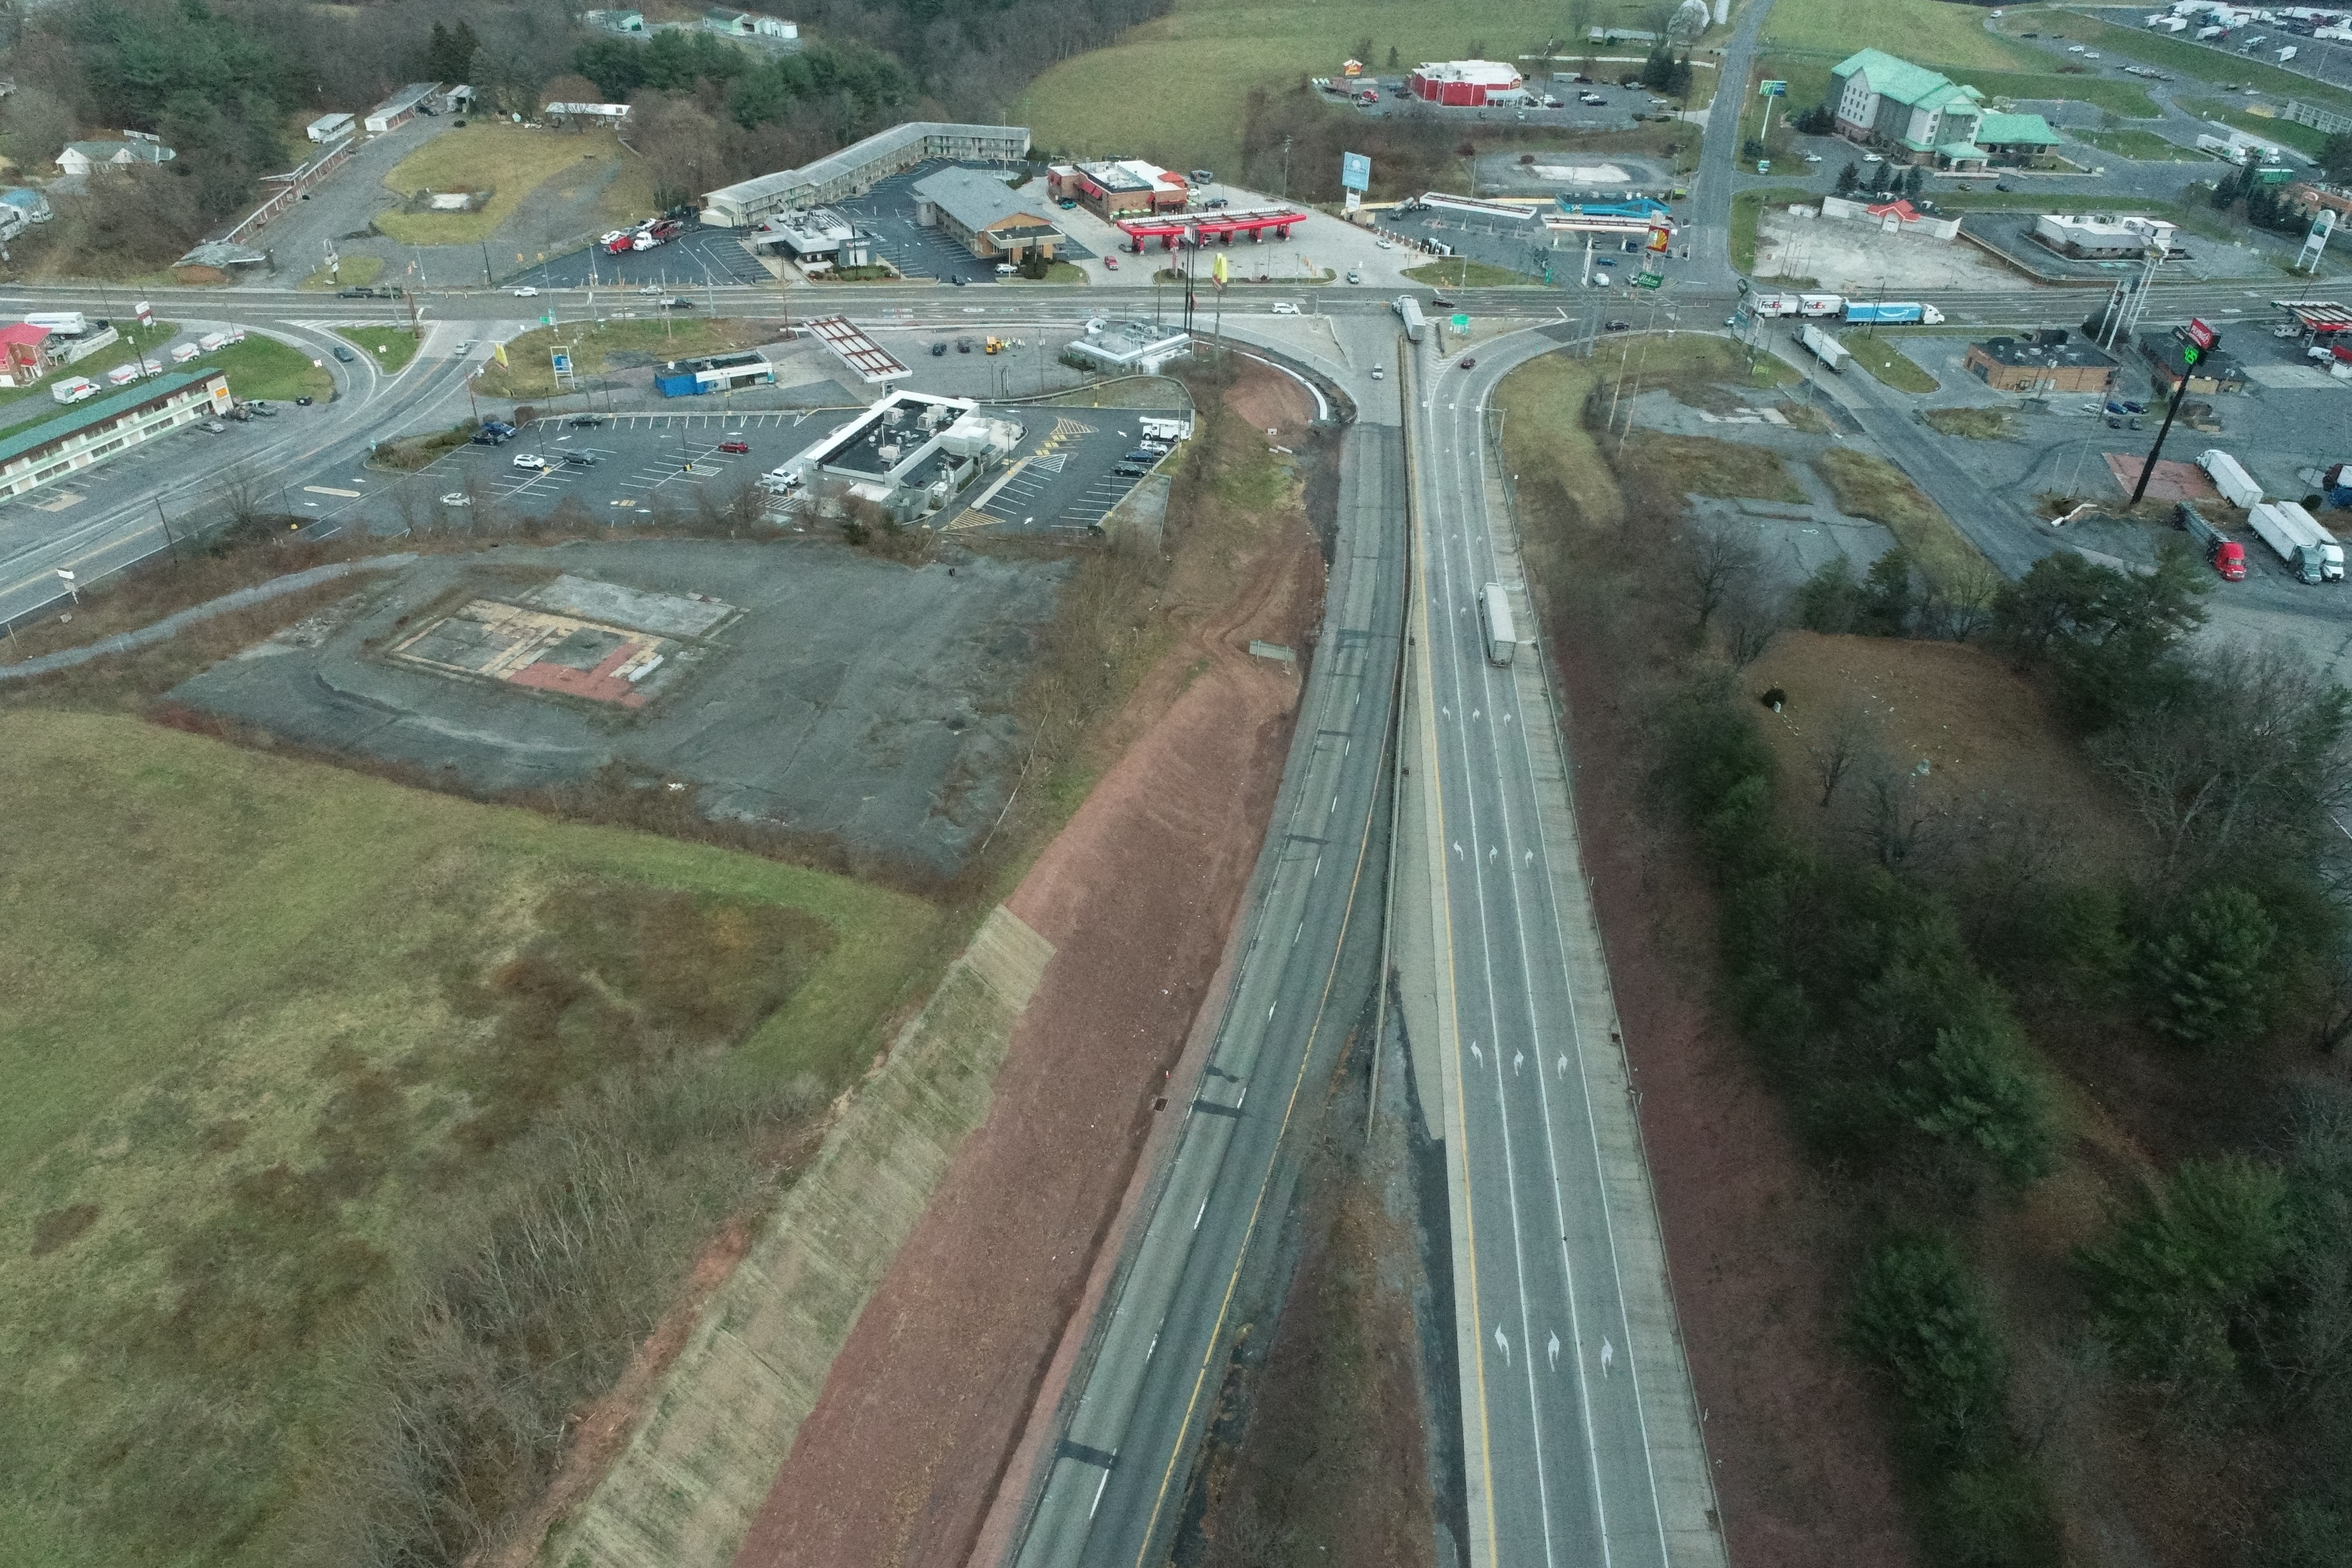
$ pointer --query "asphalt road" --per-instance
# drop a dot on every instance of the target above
(1159, 1348)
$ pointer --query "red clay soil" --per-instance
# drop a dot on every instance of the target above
(1757, 1254)
(899, 1460)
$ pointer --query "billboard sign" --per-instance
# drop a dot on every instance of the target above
(1355, 171)
(562, 363)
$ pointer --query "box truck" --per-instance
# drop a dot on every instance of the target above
(64, 323)
(1495, 621)
(2272, 527)
(72, 389)
(1826, 349)
(2314, 539)
(2223, 553)
(2237, 487)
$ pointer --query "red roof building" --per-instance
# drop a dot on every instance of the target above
(1467, 83)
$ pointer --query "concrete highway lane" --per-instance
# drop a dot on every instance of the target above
(1142, 1396)
(1580, 1432)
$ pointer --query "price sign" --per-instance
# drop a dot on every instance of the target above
(2192, 354)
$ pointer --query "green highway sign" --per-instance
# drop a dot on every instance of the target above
(1461, 323)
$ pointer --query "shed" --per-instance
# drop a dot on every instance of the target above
(329, 128)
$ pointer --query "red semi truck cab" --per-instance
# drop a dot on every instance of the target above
(2229, 559)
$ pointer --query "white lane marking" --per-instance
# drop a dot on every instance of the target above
(1099, 1492)
(1563, 1063)
(1196, 1218)
(1552, 1349)
(1476, 1052)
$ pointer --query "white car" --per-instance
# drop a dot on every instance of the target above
(1355, 275)
(531, 460)
(1283, 308)
(526, 292)
(650, 291)
(1810, 157)
(1384, 245)
(457, 498)
(2075, 49)
(2090, 54)
(1377, 373)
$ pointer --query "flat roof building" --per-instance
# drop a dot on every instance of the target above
(1140, 347)
(986, 215)
(2216, 370)
(1116, 187)
(2102, 236)
(816, 240)
(331, 128)
(1465, 83)
(715, 373)
(2051, 360)
(400, 108)
(911, 450)
(854, 170)
(93, 432)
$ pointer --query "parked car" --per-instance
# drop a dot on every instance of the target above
(734, 447)
(1128, 470)
(1355, 275)
(1378, 373)
(1215, 201)
(1617, 326)
(963, 345)
(1204, 177)
(1111, 262)
(938, 349)
(1591, 100)
(1069, 204)
(1142, 455)
(302, 403)
(457, 498)
(263, 410)
(581, 460)
(488, 438)
(532, 461)
(959, 282)
(586, 421)
(526, 292)
(344, 354)
(215, 426)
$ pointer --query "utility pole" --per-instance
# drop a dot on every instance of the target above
(1286, 168)
(2203, 341)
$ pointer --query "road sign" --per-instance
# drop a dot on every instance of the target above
(2200, 334)
(1355, 171)
(562, 363)
(1354, 199)
(1772, 89)
(1461, 323)
(1648, 281)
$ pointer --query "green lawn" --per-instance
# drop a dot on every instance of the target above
(1874, 488)
(354, 272)
(392, 346)
(1955, 38)
(2304, 139)
(1463, 273)
(1216, 50)
(1746, 211)
(277, 1037)
(2146, 146)
(266, 369)
(23, 406)
(1890, 364)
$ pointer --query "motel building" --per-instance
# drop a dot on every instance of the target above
(90, 434)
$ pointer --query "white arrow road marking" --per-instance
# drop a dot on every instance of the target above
(1457, 849)
(1476, 1052)
(1477, 712)
(1490, 854)
(1528, 859)
(1518, 1060)
(1563, 1064)
(1504, 1342)
(1608, 1354)
(1442, 708)
(1507, 717)
(1553, 1347)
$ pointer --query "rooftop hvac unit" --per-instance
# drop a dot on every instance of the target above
(893, 415)
(888, 453)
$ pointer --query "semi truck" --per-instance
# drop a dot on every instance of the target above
(1892, 311)
(2237, 486)
(2314, 539)
(2272, 527)
(2223, 553)
(1408, 308)
(64, 323)
(1495, 621)
(1825, 348)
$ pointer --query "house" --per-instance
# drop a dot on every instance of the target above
(2054, 360)
(752, 24)
(402, 107)
(1880, 101)
(80, 157)
(2215, 371)
(2102, 236)
(986, 215)
(22, 359)
(2015, 138)
(632, 23)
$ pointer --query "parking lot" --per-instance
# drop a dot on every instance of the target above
(699, 256)
(1615, 111)
(1061, 478)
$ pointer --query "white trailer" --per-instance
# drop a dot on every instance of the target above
(2313, 538)
(1775, 305)
(1819, 304)
(1825, 348)
(64, 323)
(2272, 528)
(1408, 310)
(2237, 487)
(1495, 621)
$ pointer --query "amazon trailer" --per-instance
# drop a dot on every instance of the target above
(1494, 620)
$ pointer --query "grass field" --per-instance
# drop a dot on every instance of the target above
(392, 346)
(2144, 146)
(267, 369)
(279, 1038)
(355, 272)
(1056, 272)
(1974, 423)
(1221, 48)
(510, 161)
(2305, 138)
(1874, 488)
(1888, 363)
(1951, 36)
(528, 374)
(1463, 273)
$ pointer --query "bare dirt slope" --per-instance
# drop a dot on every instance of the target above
(900, 1458)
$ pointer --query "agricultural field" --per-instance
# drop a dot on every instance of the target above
(510, 163)
(301, 1063)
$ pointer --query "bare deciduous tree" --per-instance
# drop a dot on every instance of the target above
(1715, 558)
(1840, 745)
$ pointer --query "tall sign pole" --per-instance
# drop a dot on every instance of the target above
(2202, 339)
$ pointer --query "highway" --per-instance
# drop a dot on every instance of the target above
(1579, 1429)
(1157, 1352)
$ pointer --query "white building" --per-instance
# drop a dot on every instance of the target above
(329, 128)
(815, 240)
(138, 151)
(910, 451)
(586, 113)
(854, 170)
(91, 434)
(1139, 347)
(2089, 236)
(400, 108)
